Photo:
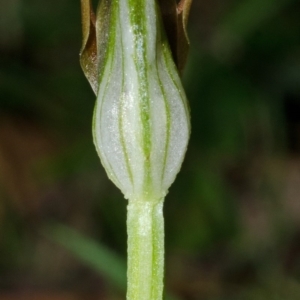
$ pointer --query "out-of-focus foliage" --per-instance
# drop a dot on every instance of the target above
(233, 214)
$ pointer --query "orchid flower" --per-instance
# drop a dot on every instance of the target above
(141, 122)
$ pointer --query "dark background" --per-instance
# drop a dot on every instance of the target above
(233, 213)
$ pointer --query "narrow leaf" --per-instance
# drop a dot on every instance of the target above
(93, 254)
(88, 53)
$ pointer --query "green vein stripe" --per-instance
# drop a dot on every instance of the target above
(121, 109)
(169, 66)
(138, 23)
(111, 49)
(167, 106)
(168, 117)
(153, 256)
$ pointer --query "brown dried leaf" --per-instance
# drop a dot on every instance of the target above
(168, 10)
(102, 31)
(95, 31)
(88, 53)
(175, 19)
(183, 11)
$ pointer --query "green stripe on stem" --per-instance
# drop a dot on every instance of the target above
(145, 229)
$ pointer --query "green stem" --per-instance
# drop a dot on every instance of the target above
(145, 227)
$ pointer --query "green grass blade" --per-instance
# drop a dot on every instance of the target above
(95, 255)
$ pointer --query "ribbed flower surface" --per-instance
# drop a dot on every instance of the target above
(141, 119)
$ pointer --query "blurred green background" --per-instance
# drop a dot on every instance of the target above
(233, 214)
